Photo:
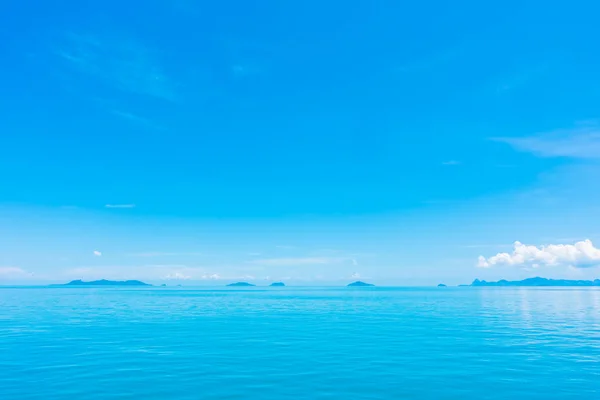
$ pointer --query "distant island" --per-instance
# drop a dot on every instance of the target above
(245, 284)
(441, 285)
(278, 284)
(360, 283)
(537, 281)
(104, 282)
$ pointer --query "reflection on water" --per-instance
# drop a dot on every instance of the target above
(368, 343)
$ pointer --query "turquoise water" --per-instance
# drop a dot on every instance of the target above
(300, 343)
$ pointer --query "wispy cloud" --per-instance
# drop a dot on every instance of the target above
(520, 78)
(438, 201)
(136, 119)
(579, 255)
(120, 206)
(97, 253)
(247, 57)
(298, 261)
(164, 254)
(14, 273)
(484, 245)
(451, 163)
(245, 70)
(121, 62)
(582, 141)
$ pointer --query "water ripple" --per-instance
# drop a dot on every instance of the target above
(382, 343)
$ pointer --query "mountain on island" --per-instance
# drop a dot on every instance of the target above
(244, 284)
(104, 282)
(360, 283)
(537, 281)
(278, 284)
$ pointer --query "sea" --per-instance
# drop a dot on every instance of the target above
(299, 343)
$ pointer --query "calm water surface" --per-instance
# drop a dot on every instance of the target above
(299, 343)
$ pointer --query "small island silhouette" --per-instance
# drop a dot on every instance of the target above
(360, 283)
(537, 281)
(278, 284)
(104, 282)
(245, 284)
(441, 285)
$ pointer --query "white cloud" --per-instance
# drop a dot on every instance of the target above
(303, 261)
(579, 255)
(97, 253)
(120, 206)
(355, 275)
(582, 141)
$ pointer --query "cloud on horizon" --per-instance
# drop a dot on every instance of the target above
(582, 254)
(149, 273)
(177, 276)
(299, 261)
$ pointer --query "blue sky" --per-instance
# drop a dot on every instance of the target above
(315, 142)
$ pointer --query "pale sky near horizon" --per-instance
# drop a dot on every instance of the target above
(312, 142)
